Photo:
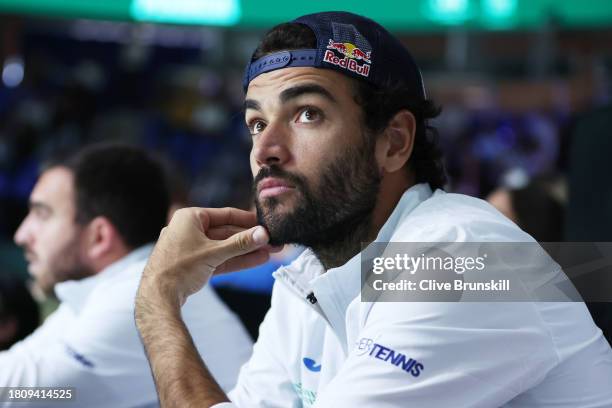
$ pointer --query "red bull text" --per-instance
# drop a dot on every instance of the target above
(351, 55)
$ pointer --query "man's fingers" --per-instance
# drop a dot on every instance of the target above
(223, 232)
(214, 217)
(246, 261)
(239, 244)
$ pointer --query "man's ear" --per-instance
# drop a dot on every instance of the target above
(101, 237)
(395, 147)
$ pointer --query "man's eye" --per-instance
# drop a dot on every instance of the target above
(309, 115)
(40, 213)
(256, 127)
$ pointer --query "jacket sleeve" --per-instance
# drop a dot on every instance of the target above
(20, 365)
(97, 356)
(442, 354)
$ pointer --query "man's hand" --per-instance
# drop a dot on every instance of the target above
(197, 243)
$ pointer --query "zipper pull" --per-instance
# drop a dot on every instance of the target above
(311, 298)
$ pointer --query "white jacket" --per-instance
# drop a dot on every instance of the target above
(334, 353)
(91, 343)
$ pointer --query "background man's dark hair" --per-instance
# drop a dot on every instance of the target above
(124, 184)
(379, 105)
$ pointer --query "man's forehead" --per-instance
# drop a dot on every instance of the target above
(54, 186)
(272, 84)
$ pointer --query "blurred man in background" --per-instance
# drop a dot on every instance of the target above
(92, 223)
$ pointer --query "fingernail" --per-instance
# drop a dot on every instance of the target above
(260, 236)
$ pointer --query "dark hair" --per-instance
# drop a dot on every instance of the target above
(124, 184)
(17, 302)
(378, 105)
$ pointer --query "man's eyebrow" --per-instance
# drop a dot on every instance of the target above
(252, 104)
(292, 93)
(299, 90)
(33, 205)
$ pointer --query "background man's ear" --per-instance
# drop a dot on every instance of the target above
(395, 147)
(101, 237)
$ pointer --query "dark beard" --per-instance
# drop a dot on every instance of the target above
(334, 220)
(67, 265)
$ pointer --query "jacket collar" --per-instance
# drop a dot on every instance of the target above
(337, 288)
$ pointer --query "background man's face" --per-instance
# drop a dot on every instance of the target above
(315, 171)
(49, 234)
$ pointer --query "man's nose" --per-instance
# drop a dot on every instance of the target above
(271, 146)
(23, 234)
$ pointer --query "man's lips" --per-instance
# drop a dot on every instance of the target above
(271, 186)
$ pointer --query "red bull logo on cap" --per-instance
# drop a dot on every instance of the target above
(350, 50)
(351, 54)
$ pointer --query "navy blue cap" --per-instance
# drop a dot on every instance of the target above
(351, 44)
